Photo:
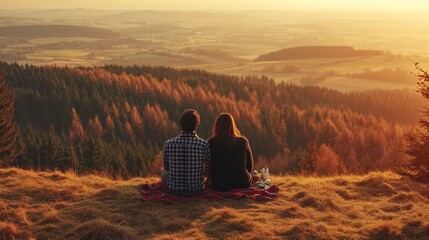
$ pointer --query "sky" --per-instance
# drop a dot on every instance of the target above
(392, 5)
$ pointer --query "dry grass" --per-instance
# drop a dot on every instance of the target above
(53, 205)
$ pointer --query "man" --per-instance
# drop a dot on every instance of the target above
(186, 157)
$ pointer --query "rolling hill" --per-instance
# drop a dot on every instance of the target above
(316, 52)
(54, 205)
(180, 17)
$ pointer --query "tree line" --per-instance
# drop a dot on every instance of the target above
(115, 119)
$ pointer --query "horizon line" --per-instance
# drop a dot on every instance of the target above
(227, 10)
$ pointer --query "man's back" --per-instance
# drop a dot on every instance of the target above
(184, 159)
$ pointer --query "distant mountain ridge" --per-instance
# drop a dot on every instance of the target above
(317, 52)
(181, 17)
(33, 31)
(65, 13)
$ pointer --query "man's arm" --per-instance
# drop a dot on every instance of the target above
(207, 162)
(165, 157)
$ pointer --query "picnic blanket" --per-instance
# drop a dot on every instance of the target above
(156, 192)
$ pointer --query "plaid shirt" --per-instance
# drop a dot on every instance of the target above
(185, 157)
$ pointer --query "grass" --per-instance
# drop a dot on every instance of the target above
(54, 205)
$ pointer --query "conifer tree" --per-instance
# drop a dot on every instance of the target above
(50, 151)
(77, 132)
(418, 143)
(327, 162)
(94, 155)
(8, 130)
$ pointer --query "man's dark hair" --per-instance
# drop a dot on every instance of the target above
(190, 120)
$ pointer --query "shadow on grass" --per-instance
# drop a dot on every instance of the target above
(120, 212)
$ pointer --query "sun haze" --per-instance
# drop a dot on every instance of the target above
(402, 5)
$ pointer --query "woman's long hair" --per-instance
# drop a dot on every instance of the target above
(225, 127)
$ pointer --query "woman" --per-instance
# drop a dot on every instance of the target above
(231, 156)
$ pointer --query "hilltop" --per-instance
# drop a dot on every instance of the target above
(317, 52)
(54, 205)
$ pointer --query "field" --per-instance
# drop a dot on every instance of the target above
(335, 73)
(220, 41)
(54, 205)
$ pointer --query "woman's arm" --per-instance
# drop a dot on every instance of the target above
(249, 157)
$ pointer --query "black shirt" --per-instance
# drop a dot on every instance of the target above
(231, 163)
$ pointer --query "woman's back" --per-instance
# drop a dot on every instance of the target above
(231, 163)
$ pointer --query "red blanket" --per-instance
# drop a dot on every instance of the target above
(155, 192)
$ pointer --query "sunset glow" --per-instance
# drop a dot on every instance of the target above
(395, 5)
(214, 119)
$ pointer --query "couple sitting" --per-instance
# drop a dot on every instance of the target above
(225, 160)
